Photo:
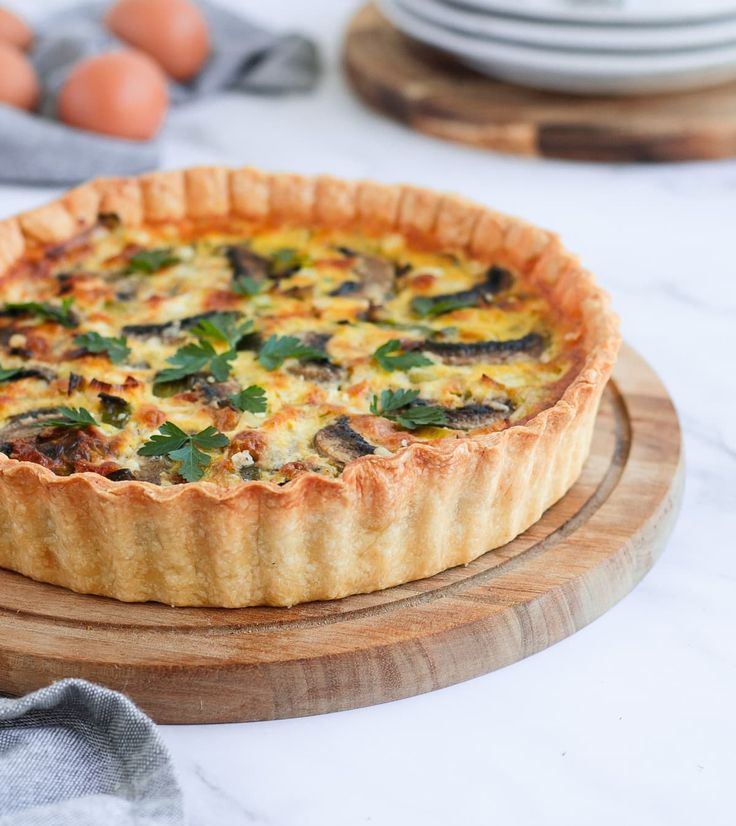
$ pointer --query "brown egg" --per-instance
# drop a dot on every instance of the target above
(122, 93)
(14, 30)
(18, 82)
(173, 32)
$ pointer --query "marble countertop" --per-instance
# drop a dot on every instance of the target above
(632, 719)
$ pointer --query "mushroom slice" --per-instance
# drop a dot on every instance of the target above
(199, 387)
(173, 328)
(477, 415)
(152, 468)
(487, 352)
(25, 424)
(245, 263)
(376, 277)
(496, 280)
(215, 393)
(32, 373)
(319, 371)
(121, 475)
(341, 443)
(315, 340)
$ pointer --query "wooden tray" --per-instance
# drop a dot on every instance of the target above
(431, 92)
(201, 665)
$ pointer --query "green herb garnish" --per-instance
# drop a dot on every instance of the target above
(46, 312)
(116, 348)
(429, 307)
(202, 357)
(196, 358)
(222, 327)
(150, 261)
(186, 448)
(286, 261)
(71, 417)
(251, 400)
(390, 356)
(8, 372)
(245, 285)
(392, 400)
(394, 405)
(277, 349)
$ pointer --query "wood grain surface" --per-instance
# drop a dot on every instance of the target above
(203, 665)
(430, 91)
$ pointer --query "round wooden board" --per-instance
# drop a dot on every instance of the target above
(202, 665)
(431, 92)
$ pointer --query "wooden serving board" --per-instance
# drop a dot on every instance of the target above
(433, 93)
(201, 665)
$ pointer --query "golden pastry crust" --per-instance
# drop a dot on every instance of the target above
(386, 519)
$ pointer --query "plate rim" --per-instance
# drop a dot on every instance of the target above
(466, 46)
(568, 36)
(510, 8)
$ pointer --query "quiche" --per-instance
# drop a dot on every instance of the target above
(231, 388)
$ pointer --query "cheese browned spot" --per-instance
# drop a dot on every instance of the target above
(494, 353)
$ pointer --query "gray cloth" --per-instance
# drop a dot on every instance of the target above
(77, 754)
(244, 57)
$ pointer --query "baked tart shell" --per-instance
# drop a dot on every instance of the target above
(385, 520)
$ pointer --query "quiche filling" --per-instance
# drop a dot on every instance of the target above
(171, 357)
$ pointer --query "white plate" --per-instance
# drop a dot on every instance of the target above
(576, 72)
(621, 12)
(571, 35)
(551, 81)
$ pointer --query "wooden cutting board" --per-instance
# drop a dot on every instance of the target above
(201, 665)
(431, 92)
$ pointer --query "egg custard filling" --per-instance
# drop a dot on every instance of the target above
(263, 353)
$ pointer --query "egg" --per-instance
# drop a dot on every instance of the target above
(14, 30)
(173, 32)
(121, 93)
(18, 82)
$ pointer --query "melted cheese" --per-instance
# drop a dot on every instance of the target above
(107, 298)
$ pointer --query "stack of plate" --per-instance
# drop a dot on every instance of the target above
(582, 46)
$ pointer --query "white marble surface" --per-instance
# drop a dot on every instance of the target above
(631, 721)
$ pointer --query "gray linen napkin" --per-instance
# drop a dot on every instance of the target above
(77, 754)
(40, 150)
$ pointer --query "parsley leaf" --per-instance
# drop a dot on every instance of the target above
(186, 361)
(193, 461)
(169, 437)
(429, 307)
(116, 348)
(390, 357)
(245, 285)
(194, 358)
(414, 417)
(394, 405)
(251, 400)
(150, 261)
(392, 400)
(8, 372)
(71, 417)
(222, 327)
(286, 261)
(185, 448)
(277, 349)
(220, 365)
(46, 312)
